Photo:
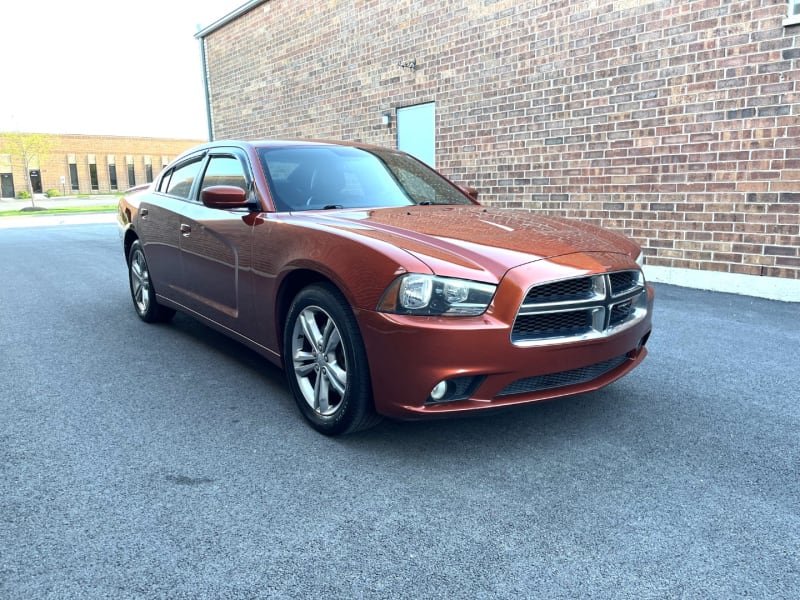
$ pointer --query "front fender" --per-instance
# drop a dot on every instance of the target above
(360, 267)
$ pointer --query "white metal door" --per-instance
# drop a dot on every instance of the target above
(416, 131)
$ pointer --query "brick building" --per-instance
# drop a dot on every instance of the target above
(676, 123)
(86, 164)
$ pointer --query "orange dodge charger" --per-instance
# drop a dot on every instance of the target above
(378, 285)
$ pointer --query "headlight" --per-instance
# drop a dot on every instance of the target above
(415, 294)
(640, 258)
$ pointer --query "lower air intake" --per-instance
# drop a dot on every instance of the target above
(563, 378)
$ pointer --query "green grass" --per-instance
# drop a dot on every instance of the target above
(70, 210)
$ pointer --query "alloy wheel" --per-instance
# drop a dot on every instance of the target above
(318, 357)
(140, 281)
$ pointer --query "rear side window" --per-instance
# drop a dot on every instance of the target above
(178, 182)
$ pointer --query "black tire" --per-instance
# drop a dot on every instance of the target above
(142, 292)
(329, 378)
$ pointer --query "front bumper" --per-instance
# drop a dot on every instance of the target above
(408, 356)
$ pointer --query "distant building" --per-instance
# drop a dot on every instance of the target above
(86, 164)
(675, 123)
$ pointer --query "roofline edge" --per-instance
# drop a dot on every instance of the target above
(219, 23)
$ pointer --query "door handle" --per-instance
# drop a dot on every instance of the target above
(143, 212)
(185, 230)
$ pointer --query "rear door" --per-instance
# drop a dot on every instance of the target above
(159, 222)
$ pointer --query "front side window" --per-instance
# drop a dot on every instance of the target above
(224, 170)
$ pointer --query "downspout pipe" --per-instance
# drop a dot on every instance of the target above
(206, 89)
(201, 35)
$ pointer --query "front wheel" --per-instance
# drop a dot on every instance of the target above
(142, 292)
(326, 363)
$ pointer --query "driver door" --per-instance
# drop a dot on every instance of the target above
(216, 245)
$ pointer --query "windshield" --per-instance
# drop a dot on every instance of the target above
(322, 177)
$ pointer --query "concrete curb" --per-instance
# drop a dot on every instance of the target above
(53, 220)
(59, 202)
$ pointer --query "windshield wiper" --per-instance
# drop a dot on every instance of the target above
(332, 206)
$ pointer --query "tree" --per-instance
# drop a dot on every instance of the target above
(26, 147)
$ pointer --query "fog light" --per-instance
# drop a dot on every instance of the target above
(438, 391)
(455, 389)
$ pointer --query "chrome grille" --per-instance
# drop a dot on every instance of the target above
(562, 379)
(620, 312)
(580, 308)
(561, 290)
(622, 282)
(575, 321)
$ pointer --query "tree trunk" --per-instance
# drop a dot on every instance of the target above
(30, 184)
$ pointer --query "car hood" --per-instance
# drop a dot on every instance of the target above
(474, 241)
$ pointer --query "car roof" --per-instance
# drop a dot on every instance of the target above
(266, 143)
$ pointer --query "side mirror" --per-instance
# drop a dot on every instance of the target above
(224, 197)
(470, 191)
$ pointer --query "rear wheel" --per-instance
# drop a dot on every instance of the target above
(326, 364)
(142, 292)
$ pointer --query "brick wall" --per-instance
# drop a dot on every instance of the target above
(55, 164)
(675, 123)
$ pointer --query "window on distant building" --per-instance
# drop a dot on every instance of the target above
(112, 172)
(131, 171)
(164, 161)
(93, 173)
(6, 177)
(72, 163)
(148, 169)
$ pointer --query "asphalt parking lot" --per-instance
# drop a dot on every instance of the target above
(145, 461)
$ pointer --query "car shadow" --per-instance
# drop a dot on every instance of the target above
(534, 425)
(199, 334)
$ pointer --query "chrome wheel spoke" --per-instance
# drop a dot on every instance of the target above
(310, 328)
(303, 363)
(321, 400)
(136, 283)
(332, 339)
(337, 377)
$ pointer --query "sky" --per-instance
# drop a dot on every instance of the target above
(105, 67)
